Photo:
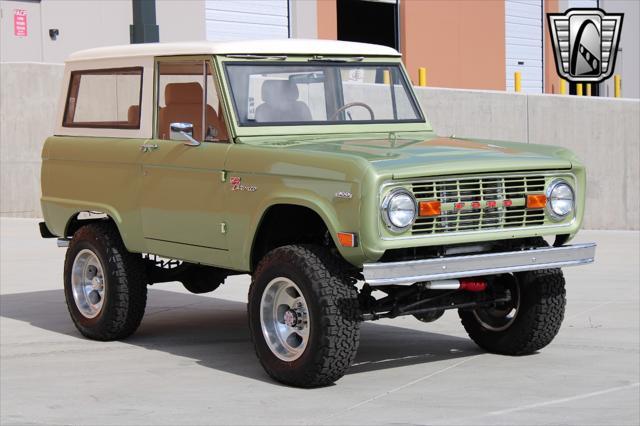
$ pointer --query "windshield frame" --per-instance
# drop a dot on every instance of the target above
(271, 128)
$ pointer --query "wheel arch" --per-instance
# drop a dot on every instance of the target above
(286, 223)
(83, 217)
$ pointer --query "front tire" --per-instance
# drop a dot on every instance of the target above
(528, 323)
(104, 284)
(303, 316)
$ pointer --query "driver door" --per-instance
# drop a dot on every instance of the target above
(182, 190)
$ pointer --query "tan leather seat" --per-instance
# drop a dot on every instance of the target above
(184, 104)
(133, 115)
(281, 103)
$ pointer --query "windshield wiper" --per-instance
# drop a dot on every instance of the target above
(279, 57)
(323, 59)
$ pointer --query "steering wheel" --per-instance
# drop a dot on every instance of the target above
(350, 105)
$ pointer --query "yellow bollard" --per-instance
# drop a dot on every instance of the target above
(563, 87)
(579, 89)
(386, 77)
(617, 92)
(517, 80)
(588, 87)
(422, 77)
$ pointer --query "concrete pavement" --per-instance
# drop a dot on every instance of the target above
(191, 361)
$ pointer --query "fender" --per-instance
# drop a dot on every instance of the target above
(60, 219)
(323, 208)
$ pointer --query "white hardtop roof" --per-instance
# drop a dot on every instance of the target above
(245, 47)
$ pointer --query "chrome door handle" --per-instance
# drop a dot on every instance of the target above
(148, 147)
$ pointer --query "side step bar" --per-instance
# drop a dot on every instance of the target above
(411, 272)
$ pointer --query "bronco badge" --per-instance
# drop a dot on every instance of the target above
(236, 185)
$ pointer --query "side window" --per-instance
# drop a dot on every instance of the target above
(108, 98)
(188, 99)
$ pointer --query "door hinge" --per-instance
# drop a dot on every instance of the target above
(223, 228)
(223, 176)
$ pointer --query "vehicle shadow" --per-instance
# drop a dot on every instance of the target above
(214, 333)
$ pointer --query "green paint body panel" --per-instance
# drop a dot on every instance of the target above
(175, 200)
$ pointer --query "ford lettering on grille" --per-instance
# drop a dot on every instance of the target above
(479, 203)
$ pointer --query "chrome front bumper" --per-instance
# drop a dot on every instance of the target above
(410, 272)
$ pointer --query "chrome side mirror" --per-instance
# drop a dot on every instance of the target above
(183, 132)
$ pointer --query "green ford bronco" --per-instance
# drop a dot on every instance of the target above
(310, 165)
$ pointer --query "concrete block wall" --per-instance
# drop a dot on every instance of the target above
(477, 114)
(604, 133)
(28, 106)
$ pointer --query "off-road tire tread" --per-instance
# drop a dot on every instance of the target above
(340, 313)
(126, 272)
(543, 301)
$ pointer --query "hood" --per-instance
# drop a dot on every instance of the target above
(425, 154)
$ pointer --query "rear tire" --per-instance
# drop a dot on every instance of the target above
(303, 316)
(104, 284)
(540, 310)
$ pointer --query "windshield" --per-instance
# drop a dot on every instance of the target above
(298, 94)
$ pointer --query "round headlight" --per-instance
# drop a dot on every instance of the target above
(399, 210)
(560, 199)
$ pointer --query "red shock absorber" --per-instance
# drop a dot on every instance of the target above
(473, 284)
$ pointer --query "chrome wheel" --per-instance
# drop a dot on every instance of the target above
(284, 318)
(87, 283)
(500, 317)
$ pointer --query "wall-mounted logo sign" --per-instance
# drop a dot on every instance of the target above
(20, 23)
(585, 42)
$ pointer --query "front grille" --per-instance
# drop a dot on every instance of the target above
(479, 203)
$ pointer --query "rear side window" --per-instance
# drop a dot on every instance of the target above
(108, 98)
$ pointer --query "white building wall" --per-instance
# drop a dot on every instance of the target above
(83, 25)
(303, 17)
(15, 48)
(87, 24)
(628, 59)
(574, 4)
(180, 20)
(246, 19)
(80, 25)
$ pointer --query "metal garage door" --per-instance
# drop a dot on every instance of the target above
(246, 19)
(523, 32)
(581, 4)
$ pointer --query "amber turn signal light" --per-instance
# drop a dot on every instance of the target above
(429, 208)
(536, 201)
(347, 239)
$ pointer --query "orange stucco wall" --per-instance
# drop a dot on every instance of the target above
(460, 42)
(327, 19)
(551, 78)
